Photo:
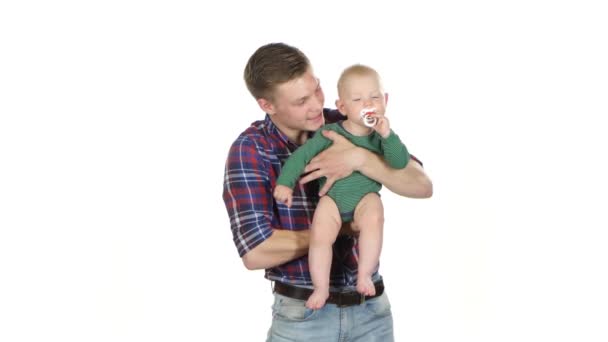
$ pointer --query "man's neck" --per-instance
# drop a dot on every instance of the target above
(301, 138)
(298, 137)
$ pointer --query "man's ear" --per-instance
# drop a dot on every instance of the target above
(266, 106)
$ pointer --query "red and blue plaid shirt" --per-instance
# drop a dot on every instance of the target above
(253, 165)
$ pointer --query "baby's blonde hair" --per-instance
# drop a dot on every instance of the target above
(356, 70)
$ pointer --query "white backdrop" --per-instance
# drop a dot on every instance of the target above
(116, 118)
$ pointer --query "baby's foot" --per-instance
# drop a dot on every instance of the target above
(317, 299)
(365, 286)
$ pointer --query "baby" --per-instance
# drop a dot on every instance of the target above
(356, 197)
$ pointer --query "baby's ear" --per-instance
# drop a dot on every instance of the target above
(340, 106)
(385, 98)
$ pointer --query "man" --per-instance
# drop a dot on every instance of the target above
(274, 237)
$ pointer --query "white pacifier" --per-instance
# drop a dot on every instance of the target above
(367, 119)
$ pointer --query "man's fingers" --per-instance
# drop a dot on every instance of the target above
(312, 166)
(331, 135)
(289, 202)
(326, 186)
(310, 177)
(354, 227)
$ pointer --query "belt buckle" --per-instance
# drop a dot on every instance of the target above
(343, 299)
(340, 302)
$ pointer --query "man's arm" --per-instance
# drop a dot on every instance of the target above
(342, 158)
(282, 246)
(248, 198)
(410, 181)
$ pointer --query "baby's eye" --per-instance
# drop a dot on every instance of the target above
(356, 100)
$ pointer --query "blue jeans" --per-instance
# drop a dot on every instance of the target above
(293, 321)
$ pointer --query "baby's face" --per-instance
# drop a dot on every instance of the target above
(362, 92)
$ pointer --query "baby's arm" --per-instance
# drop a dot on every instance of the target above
(295, 164)
(394, 151)
(283, 194)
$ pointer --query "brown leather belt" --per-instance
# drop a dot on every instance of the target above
(341, 299)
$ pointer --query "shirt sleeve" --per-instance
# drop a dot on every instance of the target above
(413, 157)
(395, 152)
(248, 195)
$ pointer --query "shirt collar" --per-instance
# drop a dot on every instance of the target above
(273, 130)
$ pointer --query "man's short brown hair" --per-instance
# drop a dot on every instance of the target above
(271, 65)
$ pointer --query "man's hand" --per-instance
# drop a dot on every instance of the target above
(336, 162)
(283, 194)
(349, 228)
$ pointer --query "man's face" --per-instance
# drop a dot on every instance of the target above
(298, 106)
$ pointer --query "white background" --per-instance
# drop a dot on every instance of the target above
(112, 223)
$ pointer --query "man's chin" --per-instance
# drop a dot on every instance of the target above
(315, 127)
(317, 123)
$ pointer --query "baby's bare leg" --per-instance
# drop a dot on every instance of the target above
(325, 227)
(369, 216)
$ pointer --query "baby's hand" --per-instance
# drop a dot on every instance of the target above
(283, 194)
(383, 126)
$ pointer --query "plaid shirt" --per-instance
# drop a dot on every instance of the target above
(253, 165)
